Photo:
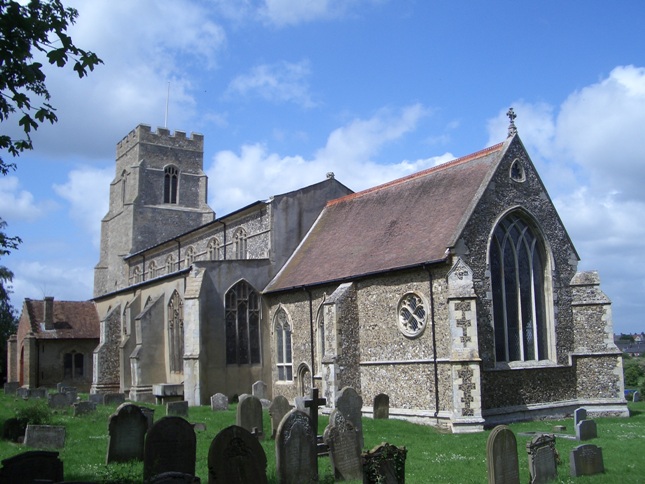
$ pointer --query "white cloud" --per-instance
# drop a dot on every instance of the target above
(281, 82)
(36, 280)
(87, 191)
(18, 204)
(293, 12)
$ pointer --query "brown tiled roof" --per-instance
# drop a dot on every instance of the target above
(72, 319)
(404, 223)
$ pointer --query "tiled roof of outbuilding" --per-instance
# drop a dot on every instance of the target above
(404, 223)
(72, 319)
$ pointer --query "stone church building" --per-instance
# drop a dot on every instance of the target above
(454, 290)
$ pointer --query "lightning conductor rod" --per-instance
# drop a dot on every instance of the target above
(165, 123)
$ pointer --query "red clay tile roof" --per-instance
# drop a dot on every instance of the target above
(404, 223)
(72, 319)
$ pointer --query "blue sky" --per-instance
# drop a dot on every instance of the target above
(285, 91)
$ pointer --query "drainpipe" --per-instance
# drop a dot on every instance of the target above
(434, 343)
(311, 334)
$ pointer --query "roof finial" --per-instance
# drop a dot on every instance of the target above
(512, 129)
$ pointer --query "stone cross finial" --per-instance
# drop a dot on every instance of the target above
(512, 129)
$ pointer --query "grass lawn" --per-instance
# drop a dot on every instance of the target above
(433, 456)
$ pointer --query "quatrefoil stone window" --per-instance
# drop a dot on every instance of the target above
(413, 314)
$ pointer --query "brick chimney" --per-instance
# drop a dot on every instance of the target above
(48, 314)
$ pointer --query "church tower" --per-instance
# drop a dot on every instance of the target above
(159, 192)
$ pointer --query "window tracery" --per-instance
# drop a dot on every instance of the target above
(242, 317)
(412, 314)
(284, 361)
(171, 183)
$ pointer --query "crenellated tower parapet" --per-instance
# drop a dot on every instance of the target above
(161, 137)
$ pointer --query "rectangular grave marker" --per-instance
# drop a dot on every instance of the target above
(45, 436)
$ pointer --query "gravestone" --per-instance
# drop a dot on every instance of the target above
(249, 414)
(11, 387)
(579, 415)
(178, 409)
(174, 478)
(265, 403)
(58, 401)
(235, 456)
(277, 410)
(170, 446)
(127, 429)
(242, 397)
(23, 392)
(32, 466)
(45, 436)
(542, 459)
(83, 408)
(344, 447)
(586, 460)
(295, 449)
(586, 430)
(384, 464)
(501, 456)
(381, 406)
(71, 393)
(637, 396)
(40, 392)
(350, 403)
(114, 398)
(150, 415)
(219, 402)
(259, 389)
(97, 398)
(13, 429)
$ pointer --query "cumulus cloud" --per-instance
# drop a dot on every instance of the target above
(64, 282)
(293, 12)
(18, 204)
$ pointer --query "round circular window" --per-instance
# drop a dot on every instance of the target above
(413, 314)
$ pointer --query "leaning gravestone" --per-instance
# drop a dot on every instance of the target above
(542, 459)
(295, 449)
(586, 430)
(350, 403)
(381, 406)
(32, 466)
(235, 456)
(170, 446)
(586, 460)
(45, 436)
(277, 410)
(501, 456)
(219, 402)
(259, 389)
(249, 414)
(127, 429)
(58, 401)
(384, 464)
(579, 415)
(344, 447)
(178, 409)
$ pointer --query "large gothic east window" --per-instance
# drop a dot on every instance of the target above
(170, 184)
(242, 325)
(518, 264)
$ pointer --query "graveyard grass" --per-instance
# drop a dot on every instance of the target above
(433, 456)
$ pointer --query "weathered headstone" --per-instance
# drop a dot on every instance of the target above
(32, 466)
(384, 464)
(259, 389)
(300, 404)
(45, 436)
(170, 446)
(586, 460)
(542, 459)
(236, 456)
(97, 398)
(344, 447)
(219, 402)
(114, 398)
(83, 408)
(242, 397)
(150, 415)
(58, 401)
(350, 403)
(501, 456)
(71, 393)
(295, 449)
(40, 392)
(11, 387)
(127, 429)
(249, 414)
(23, 392)
(277, 410)
(381, 406)
(637, 396)
(579, 415)
(178, 409)
(586, 430)
(13, 429)
(266, 403)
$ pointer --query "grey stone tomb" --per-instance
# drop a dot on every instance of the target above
(277, 410)
(542, 459)
(501, 456)
(295, 449)
(170, 446)
(344, 448)
(259, 389)
(45, 436)
(579, 415)
(219, 402)
(249, 414)
(235, 456)
(32, 466)
(586, 430)
(58, 401)
(586, 460)
(350, 403)
(127, 429)
(178, 409)
(381, 406)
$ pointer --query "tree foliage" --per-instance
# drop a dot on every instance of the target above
(38, 28)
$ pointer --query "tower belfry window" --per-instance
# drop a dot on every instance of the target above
(171, 181)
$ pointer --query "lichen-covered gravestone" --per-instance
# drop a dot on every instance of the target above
(236, 457)
(295, 449)
(249, 414)
(58, 401)
(45, 436)
(219, 402)
(350, 404)
(171, 446)
(344, 447)
(178, 409)
(259, 389)
(542, 459)
(127, 429)
(586, 460)
(277, 410)
(501, 456)
(586, 430)
(381, 406)
(384, 464)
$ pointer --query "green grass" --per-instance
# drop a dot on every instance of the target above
(433, 456)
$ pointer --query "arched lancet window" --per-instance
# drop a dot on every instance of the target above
(304, 380)
(518, 264)
(242, 325)
(239, 241)
(152, 270)
(136, 275)
(170, 264)
(170, 184)
(124, 183)
(320, 336)
(284, 361)
(213, 249)
(190, 256)
(176, 333)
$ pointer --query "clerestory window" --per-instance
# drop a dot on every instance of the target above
(239, 241)
(213, 249)
(170, 184)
